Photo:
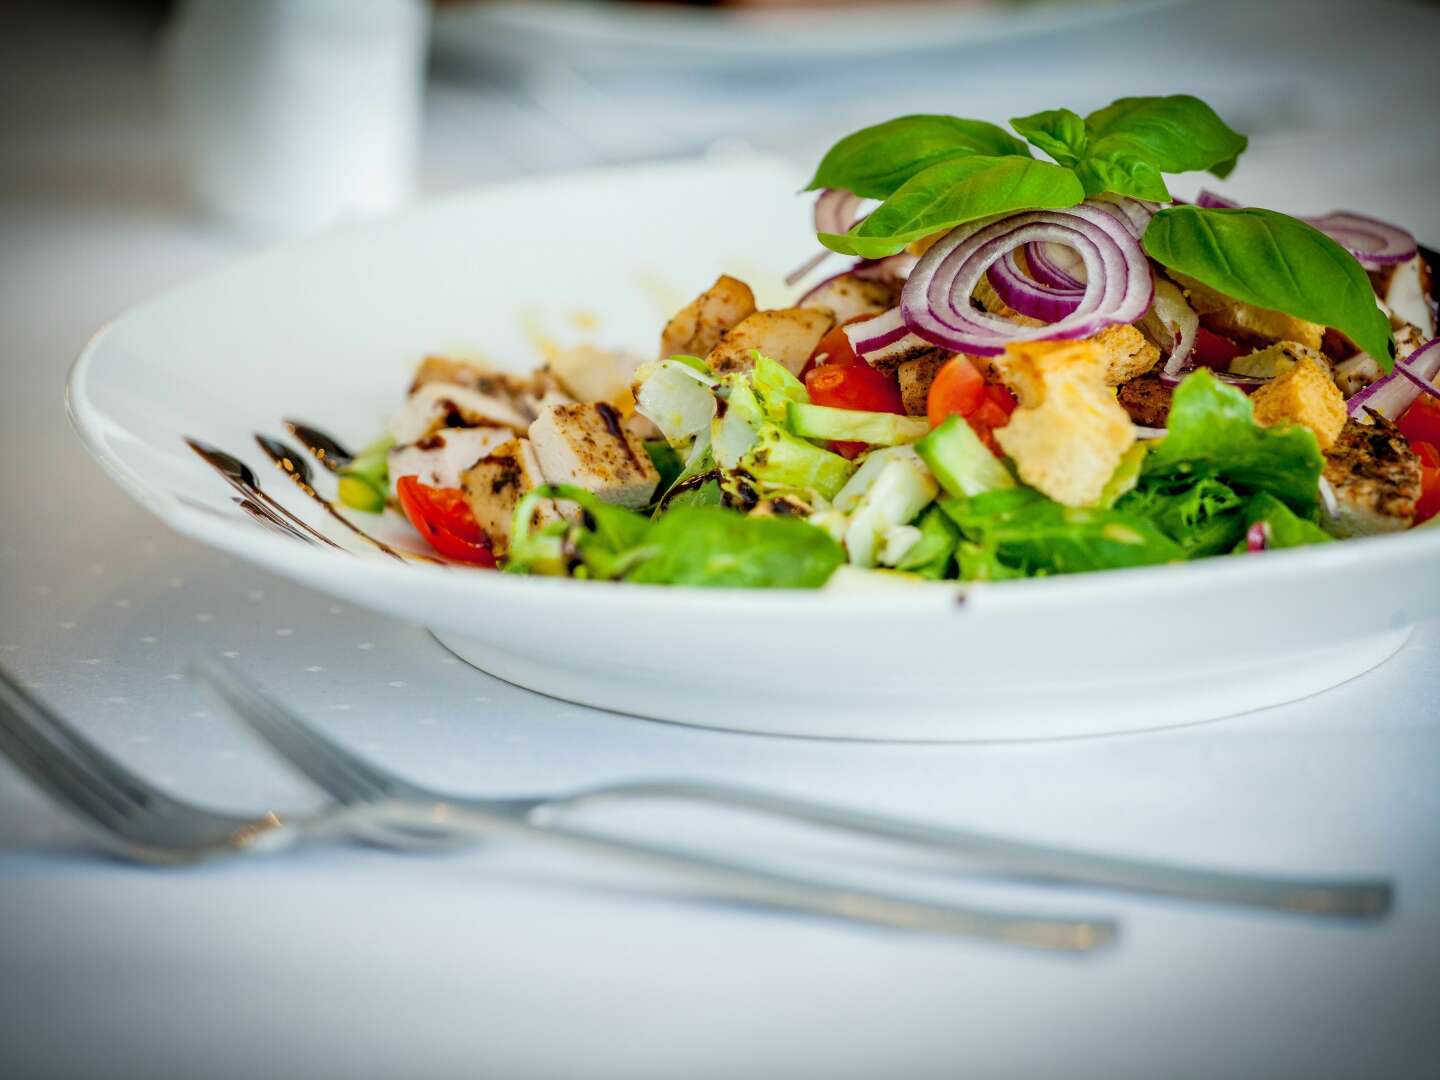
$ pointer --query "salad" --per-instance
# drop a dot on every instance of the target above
(1029, 365)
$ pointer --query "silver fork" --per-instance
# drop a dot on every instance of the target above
(134, 819)
(351, 780)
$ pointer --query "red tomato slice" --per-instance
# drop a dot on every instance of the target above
(1420, 423)
(852, 385)
(958, 388)
(1429, 504)
(443, 518)
(1002, 397)
(1215, 350)
(834, 348)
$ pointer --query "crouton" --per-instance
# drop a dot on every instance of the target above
(496, 483)
(439, 405)
(1069, 432)
(1303, 393)
(1244, 322)
(697, 327)
(1126, 351)
(849, 297)
(1375, 476)
(439, 459)
(586, 373)
(788, 336)
(915, 377)
(1147, 400)
(1271, 361)
(587, 445)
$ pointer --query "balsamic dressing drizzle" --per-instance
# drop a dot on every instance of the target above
(243, 479)
(326, 450)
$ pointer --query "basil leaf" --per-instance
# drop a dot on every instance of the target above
(1273, 261)
(953, 192)
(1211, 432)
(1059, 132)
(1175, 134)
(1126, 146)
(709, 546)
(875, 161)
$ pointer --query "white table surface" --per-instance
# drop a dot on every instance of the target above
(510, 963)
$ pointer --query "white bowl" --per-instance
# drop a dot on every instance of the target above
(329, 329)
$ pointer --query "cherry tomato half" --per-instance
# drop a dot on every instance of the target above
(1429, 504)
(443, 518)
(958, 388)
(1214, 350)
(855, 385)
(1420, 423)
(834, 348)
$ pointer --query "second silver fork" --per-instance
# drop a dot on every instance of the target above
(352, 780)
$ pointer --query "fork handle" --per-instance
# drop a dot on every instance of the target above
(733, 879)
(1351, 898)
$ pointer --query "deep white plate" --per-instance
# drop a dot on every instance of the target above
(604, 35)
(328, 331)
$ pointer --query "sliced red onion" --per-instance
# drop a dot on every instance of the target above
(1058, 267)
(1396, 392)
(870, 335)
(1027, 296)
(1136, 213)
(836, 211)
(936, 299)
(1208, 200)
(1257, 537)
(1374, 243)
(1426, 386)
(890, 268)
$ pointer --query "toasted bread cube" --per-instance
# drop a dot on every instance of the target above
(439, 459)
(850, 297)
(587, 445)
(1242, 321)
(586, 373)
(698, 326)
(496, 483)
(1069, 432)
(788, 336)
(1303, 393)
(445, 405)
(915, 377)
(1126, 351)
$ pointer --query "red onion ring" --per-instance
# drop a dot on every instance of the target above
(870, 335)
(1374, 243)
(1045, 267)
(1027, 296)
(1174, 313)
(935, 303)
(1257, 537)
(890, 268)
(836, 211)
(1396, 392)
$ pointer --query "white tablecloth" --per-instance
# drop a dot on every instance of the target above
(508, 962)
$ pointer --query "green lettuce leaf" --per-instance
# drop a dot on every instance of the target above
(1204, 517)
(1286, 530)
(708, 546)
(1212, 433)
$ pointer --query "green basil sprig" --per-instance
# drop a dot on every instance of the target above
(875, 161)
(953, 192)
(1126, 146)
(1273, 261)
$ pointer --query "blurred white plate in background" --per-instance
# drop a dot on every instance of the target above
(328, 331)
(591, 35)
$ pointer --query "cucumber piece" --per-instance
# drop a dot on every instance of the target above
(961, 462)
(854, 425)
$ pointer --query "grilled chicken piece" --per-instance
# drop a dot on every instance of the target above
(587, 445)
(586, 373)
(495, 484)
(439, 459)
(849, 297)
(698, 326)
(439, 405)
(788, 336)
(1147, 400)
(1274, 360)
(1375, 476)
(472, 375)
(1406, 290)
(915, 377)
